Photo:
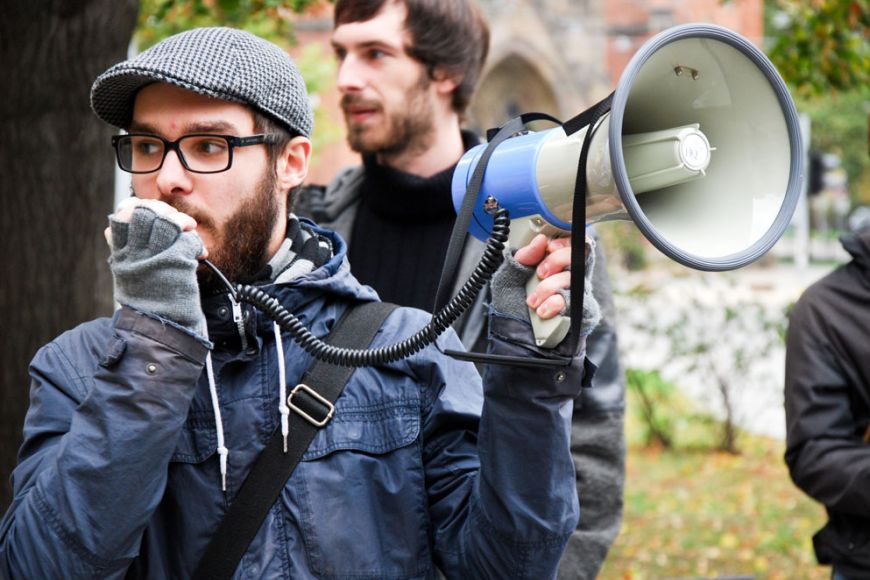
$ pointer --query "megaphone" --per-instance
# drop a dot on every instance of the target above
(700, 149)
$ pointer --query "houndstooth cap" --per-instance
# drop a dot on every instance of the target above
(224, 63)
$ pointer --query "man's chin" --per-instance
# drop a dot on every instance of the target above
(365, 143)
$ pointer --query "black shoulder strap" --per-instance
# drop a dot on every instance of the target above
(312, 400)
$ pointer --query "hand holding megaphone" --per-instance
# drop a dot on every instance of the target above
(700, 149)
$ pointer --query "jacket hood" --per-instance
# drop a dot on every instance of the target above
(858, 246)
(334, 277)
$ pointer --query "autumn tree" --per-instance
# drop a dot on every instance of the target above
(822, 49)
(820, 46)
(57, 184)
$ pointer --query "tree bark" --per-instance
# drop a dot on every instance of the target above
(56, 182)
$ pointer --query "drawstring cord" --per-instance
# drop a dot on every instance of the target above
(222, 450)
(282, 385)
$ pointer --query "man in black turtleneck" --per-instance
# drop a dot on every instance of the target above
(403, 225)
(407, 70)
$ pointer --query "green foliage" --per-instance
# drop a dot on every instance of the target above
(318, 69)
(713, 336)
(653, 409)
(625, 245)
(270, 19)
(840, 126)
(691, 512)
(820, 45)
(662, 417)
(821, 49)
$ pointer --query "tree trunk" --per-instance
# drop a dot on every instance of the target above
(729, 429)
(56, 181)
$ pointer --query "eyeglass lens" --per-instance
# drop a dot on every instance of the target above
(142, 153)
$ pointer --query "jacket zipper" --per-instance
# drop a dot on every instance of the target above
(238, 318)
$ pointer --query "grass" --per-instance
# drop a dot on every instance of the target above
(696, 513)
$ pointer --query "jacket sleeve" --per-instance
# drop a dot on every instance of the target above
(98, 437)
(825, 451)
(502, 498)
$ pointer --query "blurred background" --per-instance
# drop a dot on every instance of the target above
(707, 493)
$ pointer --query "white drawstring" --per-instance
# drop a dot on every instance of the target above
(282, 385)
(219, 424)
(222, 450)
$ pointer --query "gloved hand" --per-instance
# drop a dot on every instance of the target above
(552, 297)
(154, 262)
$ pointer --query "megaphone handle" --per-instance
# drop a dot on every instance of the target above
(550, 332)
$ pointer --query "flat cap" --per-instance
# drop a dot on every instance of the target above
(223, 63)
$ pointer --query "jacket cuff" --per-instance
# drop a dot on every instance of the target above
(174, 336)
(513, 337)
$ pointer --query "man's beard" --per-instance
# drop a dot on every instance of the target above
(408, 129)
(240, 250)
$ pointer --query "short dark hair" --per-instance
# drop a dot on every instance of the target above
(267, 124)
(451, 35)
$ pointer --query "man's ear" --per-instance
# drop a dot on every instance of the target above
(292, 165)
(444, 82)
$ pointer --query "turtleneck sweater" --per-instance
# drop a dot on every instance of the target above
(401, 233)
(402, 230)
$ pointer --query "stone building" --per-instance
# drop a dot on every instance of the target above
(552, 56)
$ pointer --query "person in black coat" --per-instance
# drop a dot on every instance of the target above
(827, 404)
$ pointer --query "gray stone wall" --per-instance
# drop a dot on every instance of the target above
(545, 55)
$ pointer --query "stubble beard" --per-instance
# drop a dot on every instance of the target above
(408, 130)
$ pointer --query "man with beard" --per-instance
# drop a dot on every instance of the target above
(143, 428)
(407, 70)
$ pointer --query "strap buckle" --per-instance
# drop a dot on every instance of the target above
(330, 408)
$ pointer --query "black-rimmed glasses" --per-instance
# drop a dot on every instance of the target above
(198, 153)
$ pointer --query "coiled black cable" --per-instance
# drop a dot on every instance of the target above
(441, 321)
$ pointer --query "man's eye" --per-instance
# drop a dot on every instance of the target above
(210, 146)
(147, 147)
(376, 54)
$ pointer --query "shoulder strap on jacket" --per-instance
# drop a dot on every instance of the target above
(312, 402)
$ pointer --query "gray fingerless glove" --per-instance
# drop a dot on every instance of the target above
(509, 290)
(154, 266)
(591, 308)
(508, 286)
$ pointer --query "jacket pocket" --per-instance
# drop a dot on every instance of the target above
(197, 440)
(362, 495)
(844, 542)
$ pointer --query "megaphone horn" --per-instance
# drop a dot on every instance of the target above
(700, 149)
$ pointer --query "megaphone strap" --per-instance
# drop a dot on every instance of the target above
(463, 219)
(589, 118)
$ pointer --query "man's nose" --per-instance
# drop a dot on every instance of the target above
(350, 75)
(173, 178)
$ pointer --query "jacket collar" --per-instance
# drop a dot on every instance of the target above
(304, 294)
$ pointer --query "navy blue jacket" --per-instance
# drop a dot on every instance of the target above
(422, 467)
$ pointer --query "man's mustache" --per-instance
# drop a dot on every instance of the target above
(355, 101)
(202, 220)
